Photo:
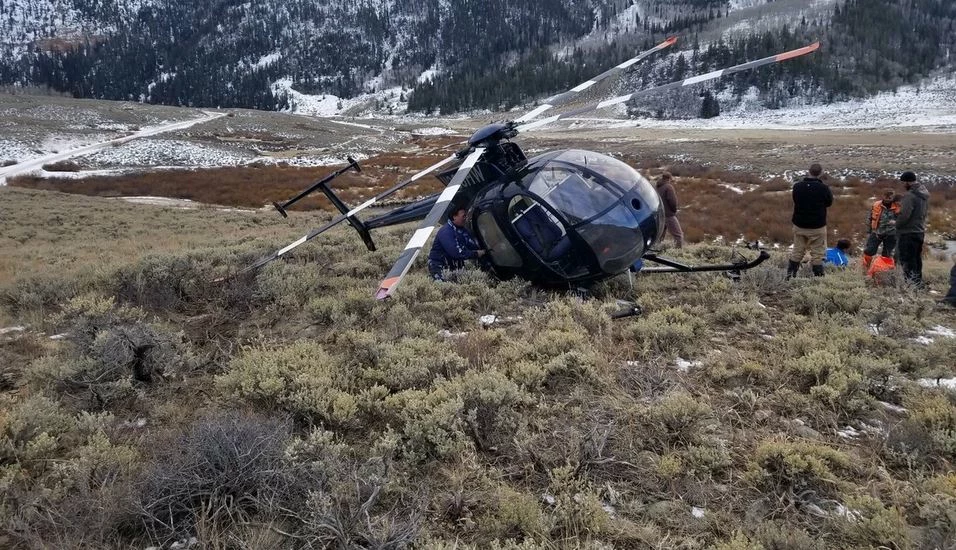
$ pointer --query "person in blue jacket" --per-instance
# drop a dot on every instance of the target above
(838, 254)
(453, 245)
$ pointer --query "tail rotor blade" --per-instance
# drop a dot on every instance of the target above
(678, 84)
(341, 218)
(562, 98)
(427, 226)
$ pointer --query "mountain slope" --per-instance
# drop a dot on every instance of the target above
(489, 54)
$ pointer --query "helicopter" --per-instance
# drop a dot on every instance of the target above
(559, 219)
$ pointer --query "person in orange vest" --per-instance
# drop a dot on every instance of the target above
(881, 227)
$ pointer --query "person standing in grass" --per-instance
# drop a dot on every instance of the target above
(882, 227)
(911, 227)
(811, 198)
(665, 188)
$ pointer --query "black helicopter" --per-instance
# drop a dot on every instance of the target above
(563, 218)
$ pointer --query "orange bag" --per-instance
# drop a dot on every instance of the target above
(879, 267)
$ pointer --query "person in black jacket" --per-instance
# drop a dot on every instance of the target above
(911, 227)
(811, 198)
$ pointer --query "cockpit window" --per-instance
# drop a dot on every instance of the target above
(617, 173)
(575, 194)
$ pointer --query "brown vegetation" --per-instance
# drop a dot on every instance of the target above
(250, 186)
(289, 409)
(759, 209)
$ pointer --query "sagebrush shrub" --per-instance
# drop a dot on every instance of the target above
(300, 378)
(412, 363)
(786, 468)
(677, 417)
(670, 331)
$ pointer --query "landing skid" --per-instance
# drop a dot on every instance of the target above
(673, 266)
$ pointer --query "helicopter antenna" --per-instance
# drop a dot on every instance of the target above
(425, 228)
(678, 84)
(564, 97)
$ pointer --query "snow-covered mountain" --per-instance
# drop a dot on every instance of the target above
(451, 55)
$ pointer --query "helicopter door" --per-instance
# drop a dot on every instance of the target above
(540, 230)
(499, 248)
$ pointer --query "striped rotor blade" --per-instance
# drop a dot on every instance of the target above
(343, 217)
(415, 244)
(285, 250)
(673, 85)
(562, 98)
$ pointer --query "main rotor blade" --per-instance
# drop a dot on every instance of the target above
(562, 98)
(415, 244)
(343, 217)
(680, 83)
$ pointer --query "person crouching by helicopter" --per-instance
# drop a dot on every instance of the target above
(665, 188)
(882, 227)
(811, 198)
(452, 246)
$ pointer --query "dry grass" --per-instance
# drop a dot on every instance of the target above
(405, 421)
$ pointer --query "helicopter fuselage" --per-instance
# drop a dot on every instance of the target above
(561, 218)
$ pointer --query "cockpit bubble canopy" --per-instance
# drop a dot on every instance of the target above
(608, 203)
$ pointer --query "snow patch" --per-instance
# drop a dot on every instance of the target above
(930, 105)
(733, 188)
(433, 131)
(891, 407)
(684, 365)
(267, 60)
(75, 150)
(163, 152)
(945, 383)
(428, 75)
(390, 100)
(942, 331)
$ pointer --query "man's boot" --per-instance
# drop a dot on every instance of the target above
(818, 271)
(866, 261)
(792, 269)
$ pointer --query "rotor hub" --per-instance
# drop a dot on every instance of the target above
(493, 133)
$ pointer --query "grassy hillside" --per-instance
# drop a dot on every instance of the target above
(292, 410)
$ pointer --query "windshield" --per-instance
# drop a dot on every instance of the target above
(603, 200)
(575, 194)
(582, 184)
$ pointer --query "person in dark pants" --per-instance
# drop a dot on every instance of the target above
(811, 198)
(911, 228)
(881, 227)
(453, 245)
(665, 188)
